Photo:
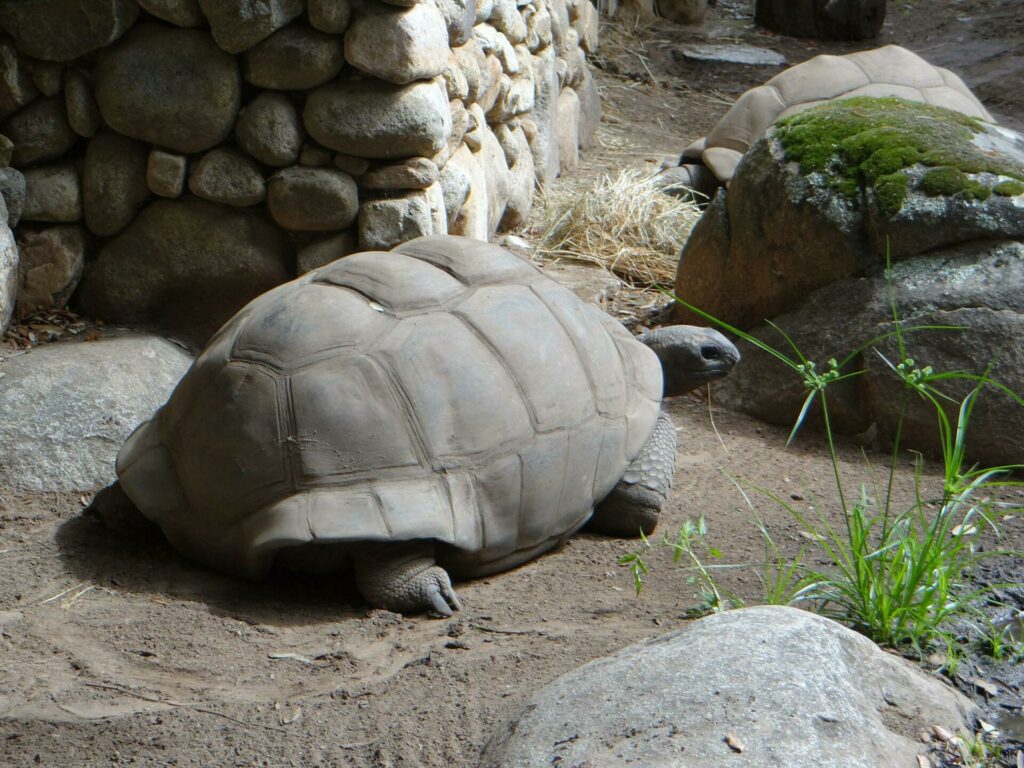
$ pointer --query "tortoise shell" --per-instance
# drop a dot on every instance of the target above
(445, 390)
(890, 71)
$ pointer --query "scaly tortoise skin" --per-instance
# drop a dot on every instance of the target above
(443, 401)
(890, 71)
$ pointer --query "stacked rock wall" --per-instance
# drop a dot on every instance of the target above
(186, 155)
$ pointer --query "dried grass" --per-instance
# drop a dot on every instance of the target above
(623, 223)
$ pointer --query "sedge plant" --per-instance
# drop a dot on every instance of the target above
(895, 574)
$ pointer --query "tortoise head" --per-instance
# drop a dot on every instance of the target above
(690, 356)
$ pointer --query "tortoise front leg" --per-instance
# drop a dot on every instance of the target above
(634, 505)
(404, 578)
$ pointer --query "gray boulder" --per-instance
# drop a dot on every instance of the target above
(268, 128)
(225, 175)
(331, 16)
(295, 58)
(52, 193)
(237, 26)
(544, 141)
(185, 265)
(370, 118)
(165, 173)
(52, 260)
(80, 103)
(913, 178)
(16, 87)
(786, 687)
(113, 182)
(68, 407)
(321, 252)
(168, 86)
(12, 189)
(8, 273)
(977, 287)
(398, 44)
(313, 199)
(383, 224)
(40, 132)
(63, 30)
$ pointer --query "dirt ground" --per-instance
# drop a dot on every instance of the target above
(116, 651)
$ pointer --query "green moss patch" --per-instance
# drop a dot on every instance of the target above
(864, 142)
(1009, 188)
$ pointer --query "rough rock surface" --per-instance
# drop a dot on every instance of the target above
(12, 188)
(295, 58)
(51, 265)
(52, 193)
(67, 408)
(740, 264)
(269, 129)
(165, 173)
(80, 104)
(788, 685)
(113, 182)
(977, 287)
(170, 87)
(237, 26)
(181, 13)
(398, 44)
(186, 265)
(40, 132)
(384, 224)
(313, 199)
(62, 30)
(227, 176)
(369, 118)
(8, 274)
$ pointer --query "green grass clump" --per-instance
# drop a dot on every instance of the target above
(1009, 188)
(863, 142)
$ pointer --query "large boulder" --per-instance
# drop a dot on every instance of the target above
(975, 289)
(113, 182)
(62, 30)
(297, 57)
(168, 86)
(398, 44)
(829, 192)
(185, 265)
(759, 686)
(68, 407)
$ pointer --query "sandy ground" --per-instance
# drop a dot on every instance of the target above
(116, 651)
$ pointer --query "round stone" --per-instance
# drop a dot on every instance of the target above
(171, 87)
(398, 44)
(40, 132)
(331, 16)
(113, 182)
(370, 118)
(62, 30)
(225, 175)
(52, 193)
(237, 26)
(83, 114)
(313, 199)
(268, 128)
(295, 58)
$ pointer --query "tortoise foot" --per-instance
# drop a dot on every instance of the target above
(404, 578)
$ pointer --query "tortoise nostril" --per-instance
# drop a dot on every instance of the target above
(709, 352)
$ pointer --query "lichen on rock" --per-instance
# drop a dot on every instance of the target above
(867, 142)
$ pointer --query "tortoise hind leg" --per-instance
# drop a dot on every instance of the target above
(634, 505)
(404, 578)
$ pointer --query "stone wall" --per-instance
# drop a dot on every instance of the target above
(179, 157)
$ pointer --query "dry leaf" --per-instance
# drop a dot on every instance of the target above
(942, 734)
(985, 686)
(734, 743)
(923, 762)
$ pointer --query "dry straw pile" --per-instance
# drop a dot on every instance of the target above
(624, 223)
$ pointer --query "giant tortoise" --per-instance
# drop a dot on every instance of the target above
(888, 71)
(441, 407)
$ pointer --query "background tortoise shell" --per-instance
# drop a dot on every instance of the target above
(890, 71)
(446, 390)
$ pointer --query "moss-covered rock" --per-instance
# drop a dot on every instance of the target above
(864, 142)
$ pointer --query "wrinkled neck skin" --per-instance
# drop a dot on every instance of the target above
(690, 356)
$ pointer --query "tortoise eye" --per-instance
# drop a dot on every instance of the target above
(710, 352)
